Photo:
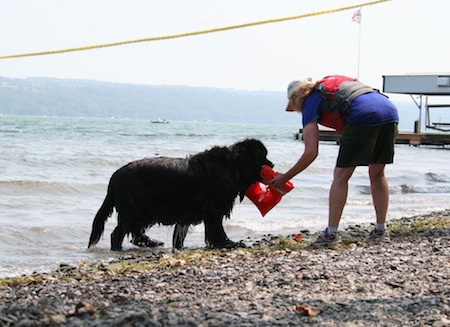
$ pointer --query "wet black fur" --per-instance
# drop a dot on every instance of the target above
(181, 192)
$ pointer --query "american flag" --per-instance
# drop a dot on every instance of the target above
(357, 16)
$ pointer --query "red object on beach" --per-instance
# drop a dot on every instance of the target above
(298, 238)
(266, 199)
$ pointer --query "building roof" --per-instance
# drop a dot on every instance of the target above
(420, 84)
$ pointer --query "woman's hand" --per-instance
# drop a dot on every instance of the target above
(279, 181)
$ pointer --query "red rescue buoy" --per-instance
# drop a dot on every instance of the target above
(268, 174)
(266, 199)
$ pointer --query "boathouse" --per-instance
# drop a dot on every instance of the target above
(424, 87)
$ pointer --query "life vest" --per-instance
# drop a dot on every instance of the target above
(266, 199)
(338, 92)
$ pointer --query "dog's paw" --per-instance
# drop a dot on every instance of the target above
(144, 241)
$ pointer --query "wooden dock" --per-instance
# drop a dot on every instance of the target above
(415, 139)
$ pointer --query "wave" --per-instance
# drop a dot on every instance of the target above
(409, 183)
(409, 189)
(7, 131)
(36, 186)
(439, 178)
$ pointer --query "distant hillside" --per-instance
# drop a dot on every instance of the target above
(68, 97)
(86, 98)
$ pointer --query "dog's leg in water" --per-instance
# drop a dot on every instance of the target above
(117, 238)
(215, 236)
(143, 241)
(179, 234)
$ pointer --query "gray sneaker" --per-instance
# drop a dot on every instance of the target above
(325, 240)
(378, 236)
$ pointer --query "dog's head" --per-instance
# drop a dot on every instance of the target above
(250, 156)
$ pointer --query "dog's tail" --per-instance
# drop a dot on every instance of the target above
(98, 226)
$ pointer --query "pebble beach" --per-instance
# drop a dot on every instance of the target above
(276, 281)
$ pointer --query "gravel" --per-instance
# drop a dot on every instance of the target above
(275, 282)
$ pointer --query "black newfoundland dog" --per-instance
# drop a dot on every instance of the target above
(181, 192)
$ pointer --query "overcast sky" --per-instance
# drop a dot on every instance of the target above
(397, 37)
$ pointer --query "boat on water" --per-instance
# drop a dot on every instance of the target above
(160, 121)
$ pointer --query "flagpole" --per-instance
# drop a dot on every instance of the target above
(357, 18)
(359, 49)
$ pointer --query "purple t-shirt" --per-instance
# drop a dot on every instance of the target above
(368, 109)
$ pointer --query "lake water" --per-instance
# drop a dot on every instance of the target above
(54, 173)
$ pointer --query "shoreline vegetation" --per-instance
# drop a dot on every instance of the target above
(278, 281)
(40, 96)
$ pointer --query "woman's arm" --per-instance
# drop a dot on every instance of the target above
(311, 141)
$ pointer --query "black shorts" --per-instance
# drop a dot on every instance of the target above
(365, 145)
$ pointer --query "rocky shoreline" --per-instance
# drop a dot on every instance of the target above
(279, 281)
